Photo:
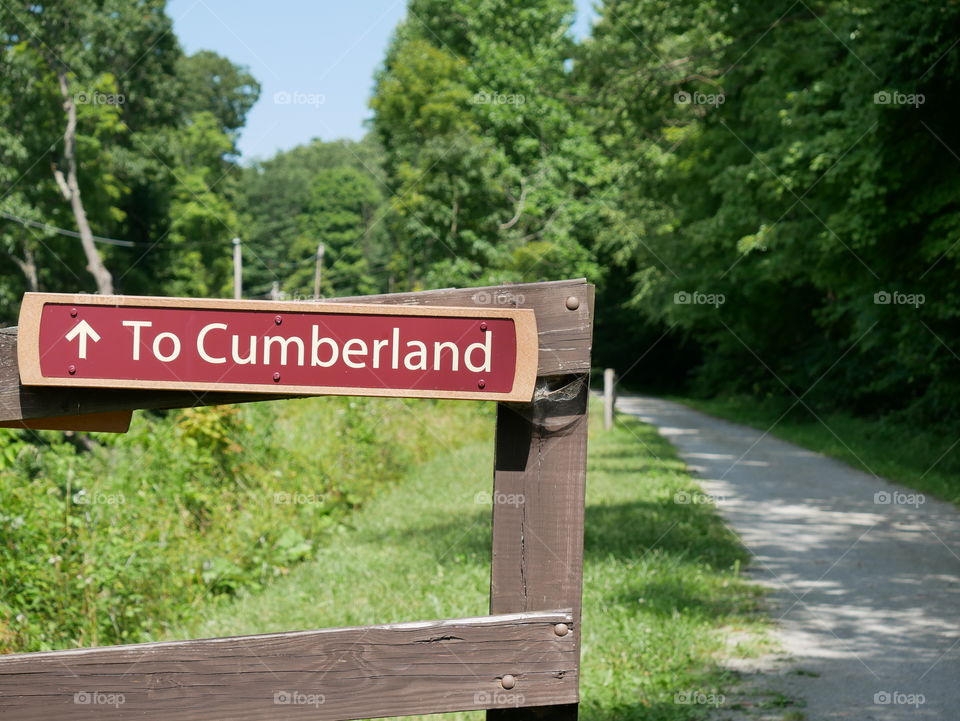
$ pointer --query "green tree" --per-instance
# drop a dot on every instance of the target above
(489, 160)
(98, 108)
(340, 212)
(277, 195)
(809, 189)
(203, 215)
(212, 83)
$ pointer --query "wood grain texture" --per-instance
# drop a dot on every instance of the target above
(565, 334)
(564, 338)
(366, 672)
(108, 422)
(541, 455)
(541, 458)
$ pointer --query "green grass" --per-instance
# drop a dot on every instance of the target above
(927, 459)
(661, 578)
(122, 541)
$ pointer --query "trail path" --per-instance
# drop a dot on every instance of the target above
(866, 578)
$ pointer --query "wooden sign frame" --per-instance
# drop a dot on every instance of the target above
(28, 354)
(520, 663)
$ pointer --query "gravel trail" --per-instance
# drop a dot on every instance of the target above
(866, 573)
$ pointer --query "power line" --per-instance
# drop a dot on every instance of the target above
(64, 231)
(133, 243)
(100, 238)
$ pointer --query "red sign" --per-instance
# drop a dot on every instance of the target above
(264, 347)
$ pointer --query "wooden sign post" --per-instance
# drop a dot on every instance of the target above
(87, 362)
(262, 347)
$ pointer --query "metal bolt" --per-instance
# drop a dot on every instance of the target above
(277, 319)
(73, 312)
(483, 326)
(561, 629)
(71, 369)
(276, 377)
(481, 383)
(573, 302)
(508, 681)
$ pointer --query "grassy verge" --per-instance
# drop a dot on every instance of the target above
(927, 459)
(116, 542)
(661, 578)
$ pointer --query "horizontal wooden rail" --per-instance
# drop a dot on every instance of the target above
(564, 314)
(333, 674)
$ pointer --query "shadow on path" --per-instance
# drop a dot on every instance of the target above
(866, 573)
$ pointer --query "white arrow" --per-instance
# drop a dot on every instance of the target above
(84, 331)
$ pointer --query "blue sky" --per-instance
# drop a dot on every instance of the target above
(314, 60)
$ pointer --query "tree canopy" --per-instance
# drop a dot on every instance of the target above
(764, 193)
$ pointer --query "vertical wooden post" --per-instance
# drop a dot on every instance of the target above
(539, 482)
(237, 270)
(609, 399)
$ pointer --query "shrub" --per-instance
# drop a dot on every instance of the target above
(116, 544)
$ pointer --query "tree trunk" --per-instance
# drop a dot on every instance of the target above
(28, 266)
(71, 191)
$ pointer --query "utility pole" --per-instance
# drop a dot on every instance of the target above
(237, 270)
(319, 272)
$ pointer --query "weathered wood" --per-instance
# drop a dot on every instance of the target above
(108, 422)
(403, 669)
(564, 333)
(539, 485)
(349, 673)
(539, 481)
(565, 330)
(540, 464)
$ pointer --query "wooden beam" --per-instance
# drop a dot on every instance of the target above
(333, 674)
(564, 325)
(540, 475)
(108, 422)
(565, 329)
